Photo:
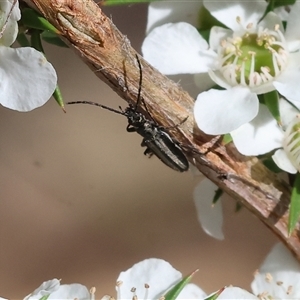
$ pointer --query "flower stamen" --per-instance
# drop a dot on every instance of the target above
(92, 293)
(265, 295)
(118, 286)
(146, 290)
(253, 59)
(292, 142)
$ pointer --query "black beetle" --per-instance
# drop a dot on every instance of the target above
(156, 140)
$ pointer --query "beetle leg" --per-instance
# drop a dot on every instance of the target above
(130, 128)
(148, 152)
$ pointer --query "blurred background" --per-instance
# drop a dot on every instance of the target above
(79, 200)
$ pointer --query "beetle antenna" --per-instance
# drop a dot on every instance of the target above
(139, 98)
(140, 83)
(120, 112)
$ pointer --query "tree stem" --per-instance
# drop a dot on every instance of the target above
(109, 55)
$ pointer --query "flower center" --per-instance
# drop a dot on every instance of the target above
(292, 142)
(254, 58)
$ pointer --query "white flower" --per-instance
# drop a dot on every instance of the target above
(54, 290)
(278, 277)
(27, 80)
(151, 279)
(248, 59)
(235, 293)
(45, 289)
(58, 291)
(288, 156)
(292, 143)
(209, 216)
(170, 11)
(259, 136)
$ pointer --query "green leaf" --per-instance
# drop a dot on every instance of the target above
(36, 23)
(120, 2)
(271, 100)
(226, 139)
(270, 7)
(22, 40)
(215, 295)
(276, 3)
(45, 297)
(206, 20)
(205, 33)
(294, 205)
(216, 87)
(35, 40)
(173, 293)
(53, 39)
(217, 196)
(271, 165)
(57, 95)
(30, 18)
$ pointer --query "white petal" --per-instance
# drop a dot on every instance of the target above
(279, 259)
(157, 273)
(71, 292)
(177, 49)
(27, 80)
(162, 12)
(216, 35)
(227, 11)
(218, 78)
(287, 84)
(210, 216)
(283, 267)
(283, 162)
(231, 293)
(292, 35)
(46, 288)
(191, 291)
(271, 20)
(288, 112)
(259, 136)
(11, 29)
(219, 112)
(5, 7)
(282, 13)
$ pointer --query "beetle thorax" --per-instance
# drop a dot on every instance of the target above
(135, 119)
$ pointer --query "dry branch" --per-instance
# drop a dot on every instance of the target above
(110, 56)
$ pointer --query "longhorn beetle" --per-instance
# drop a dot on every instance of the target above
(156, 140)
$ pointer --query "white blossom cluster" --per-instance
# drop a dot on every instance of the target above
(27, 79)
(250, 56)
(278, 278)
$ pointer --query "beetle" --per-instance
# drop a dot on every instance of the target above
(155, 138)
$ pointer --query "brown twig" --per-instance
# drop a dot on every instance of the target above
(109, 55)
